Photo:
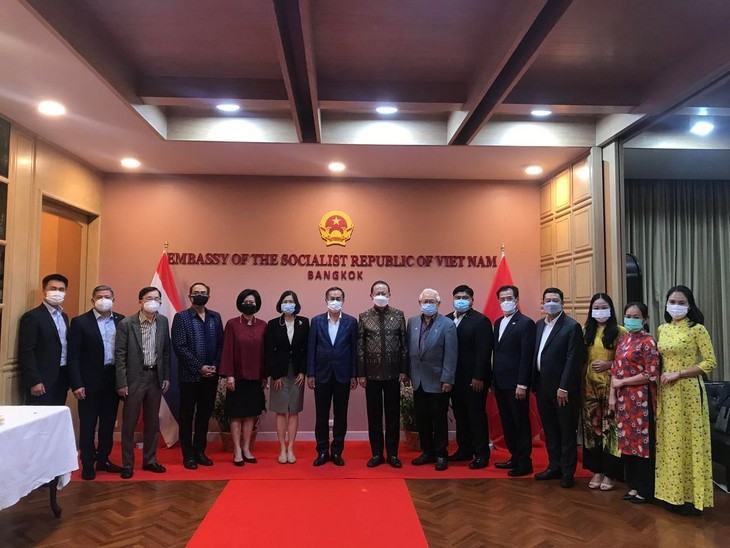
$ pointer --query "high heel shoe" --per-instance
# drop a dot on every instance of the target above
(238, 462)
(282, 457)
(290, 458)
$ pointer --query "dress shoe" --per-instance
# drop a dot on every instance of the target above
(155, 467)
(423, 458)
(126, 472)
(548, 474)
(567, 482)
(459, 457)
(238, 462)
(638, 500)
(394, 461)
(251, 460)
(203, 459)
(87, 473)
(478, 463)
(507, 465)
(190, 464)
(519, 471)
(629, 495)
(108, 466)
(321, 459)
(337, 460)
(442, 464)
(377, 460)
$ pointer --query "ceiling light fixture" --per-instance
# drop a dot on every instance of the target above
(130, 163)
(228, 107)
(51, 108)
(533, 170)
(702, 128)
(541, 112)
(386, 110)
(337, 167)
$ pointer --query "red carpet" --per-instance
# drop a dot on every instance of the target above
(353, 513)
(356, 454)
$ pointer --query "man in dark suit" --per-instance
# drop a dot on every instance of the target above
(142, 361)
(514, 351)
(559, 355)
(332, 373)
(197, 339)
(432, 351)
(473, 377)
(91, 364)
(42, 347)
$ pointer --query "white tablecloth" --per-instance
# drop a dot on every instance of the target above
(36, 445)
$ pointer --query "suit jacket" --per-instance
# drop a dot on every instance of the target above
(325, 358)
(435, 363)
(562, 357)
(39, 347)
(280, 352)
(128, 356)
(86, 351)
(514, 352)
(475, 336)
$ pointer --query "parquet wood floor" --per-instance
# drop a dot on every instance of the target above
(453, 513)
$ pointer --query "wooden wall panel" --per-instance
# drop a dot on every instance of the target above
(547, 249)
(546, 199)
(562, 236)
(561, 185)
(582, 230)
(563, 279)
(581, 182)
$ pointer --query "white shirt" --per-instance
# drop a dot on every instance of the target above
(503, 325)
(332, 327)
(457, 318)
(290, 330)
(545, 334)
(108, 330)
(57, 316)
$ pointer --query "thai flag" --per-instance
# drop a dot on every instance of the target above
(164, 281)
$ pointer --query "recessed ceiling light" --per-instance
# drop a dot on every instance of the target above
(131, 163)
(386, 110)
(533, 170)
(702, 128)
(541, 112)
(228, 107)
(337, 166)
(51, 108)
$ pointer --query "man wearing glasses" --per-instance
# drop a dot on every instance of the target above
(197, 339)
(142, 362)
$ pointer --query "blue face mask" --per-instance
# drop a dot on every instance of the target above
(552, 308)
(633, 324)
(288, 308)
(428, 309)
(461, 305)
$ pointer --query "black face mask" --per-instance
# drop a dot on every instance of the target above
(199, 300)
(248, 309)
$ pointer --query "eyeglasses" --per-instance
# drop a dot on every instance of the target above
(148, 299)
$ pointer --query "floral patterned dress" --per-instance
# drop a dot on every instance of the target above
(599, 430)
(683, 452)
(636, 354)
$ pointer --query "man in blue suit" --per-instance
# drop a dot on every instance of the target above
(332, 373)
(433, 352)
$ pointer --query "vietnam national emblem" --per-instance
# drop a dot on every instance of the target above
(335, 228)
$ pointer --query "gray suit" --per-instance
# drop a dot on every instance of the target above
(431, 365)
(145, 386)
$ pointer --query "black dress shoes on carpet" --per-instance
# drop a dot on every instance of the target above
(155, 467)
(478, 463)
(394, 461)
(108, 466)
(203, 459)
(459, 457)
(423, 458)
(507, 465)
(238, 462)
(377, 460)
(87, 473)
(442, 463)
(548, 474)
(337, 460)
(519, 471)
(190, 464)
(126, 472)
(321, 459)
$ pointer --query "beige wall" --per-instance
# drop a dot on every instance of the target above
(273, 215)
(40, 173)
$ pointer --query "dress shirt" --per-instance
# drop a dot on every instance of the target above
(545, 334)
(458, 317)
(149, 338)
(57, 315)
(290, 330)
(425, 328)
(108, 330)
(332, 327)
(504, 324)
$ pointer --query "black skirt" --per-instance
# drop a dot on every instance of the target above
(246, 401)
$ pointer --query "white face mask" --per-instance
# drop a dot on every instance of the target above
(508, 307)
(334, 306)
(103, 305)
(602, 314)
(151, 306)
(381, 300)
(677, 311)
(55, 298)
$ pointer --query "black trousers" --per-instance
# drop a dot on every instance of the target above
(383, 396)
(639, 474)
(337, 396)
(470, 414)
(560, 424)
(99, 406)
(197, 400)
(515, 417)
(55, 393)
(432, 420)
(599, 462)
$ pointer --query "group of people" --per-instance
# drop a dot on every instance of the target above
(642, 404)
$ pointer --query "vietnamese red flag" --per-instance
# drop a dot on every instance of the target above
(501, 277)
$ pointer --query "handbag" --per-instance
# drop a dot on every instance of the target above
(723, 420)
(717, 394)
